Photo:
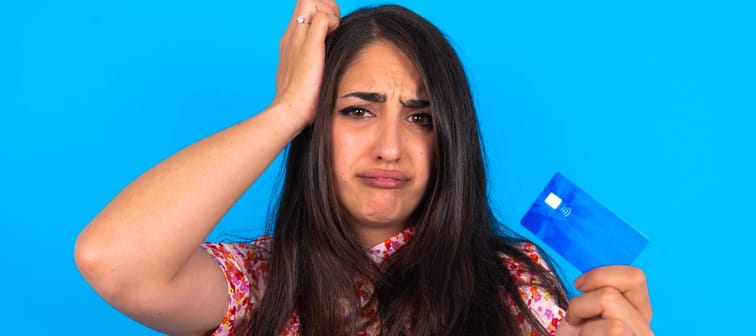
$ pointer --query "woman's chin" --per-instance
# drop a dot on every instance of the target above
(379, 219)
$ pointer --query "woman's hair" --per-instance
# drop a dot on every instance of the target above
(447, 279)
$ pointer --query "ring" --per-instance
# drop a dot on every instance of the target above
(301, 19)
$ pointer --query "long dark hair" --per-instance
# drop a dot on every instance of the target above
(447, 279)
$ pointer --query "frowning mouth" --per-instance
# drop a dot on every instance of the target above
(384, 179)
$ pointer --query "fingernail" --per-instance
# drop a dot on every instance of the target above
(579, 281)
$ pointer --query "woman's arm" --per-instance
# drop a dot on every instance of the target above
(141, 252)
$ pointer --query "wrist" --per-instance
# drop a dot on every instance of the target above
(288, 118)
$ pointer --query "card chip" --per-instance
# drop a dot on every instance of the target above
(553, 201)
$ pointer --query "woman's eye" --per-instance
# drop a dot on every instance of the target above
(356, 112)
(422, 119)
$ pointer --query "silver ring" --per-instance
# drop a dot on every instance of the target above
(302, 19)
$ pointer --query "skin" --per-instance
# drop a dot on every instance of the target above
(383, 142)
(615, 301)
(140, 253)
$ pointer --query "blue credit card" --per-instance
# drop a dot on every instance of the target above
(580, 229)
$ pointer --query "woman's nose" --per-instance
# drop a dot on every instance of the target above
(388, 141)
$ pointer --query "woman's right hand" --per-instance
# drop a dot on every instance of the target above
(302, 57)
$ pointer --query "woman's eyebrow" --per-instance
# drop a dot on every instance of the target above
(415, 103)
(368, 96)
(375, 97)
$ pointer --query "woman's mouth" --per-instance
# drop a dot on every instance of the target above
(384, 179)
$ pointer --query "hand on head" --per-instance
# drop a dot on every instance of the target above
(615, 301)
(302, 56)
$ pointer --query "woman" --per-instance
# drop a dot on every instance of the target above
(382, 227)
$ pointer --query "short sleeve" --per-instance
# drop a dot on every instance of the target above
(542, 303)
(245, 266)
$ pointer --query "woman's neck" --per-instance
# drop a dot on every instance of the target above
(371, 235)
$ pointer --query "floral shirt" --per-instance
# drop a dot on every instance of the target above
(246, 266)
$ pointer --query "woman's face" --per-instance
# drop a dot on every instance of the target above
(383, 139)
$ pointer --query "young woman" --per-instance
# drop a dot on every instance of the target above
(383, 225)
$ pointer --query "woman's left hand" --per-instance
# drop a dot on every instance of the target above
(615, 301)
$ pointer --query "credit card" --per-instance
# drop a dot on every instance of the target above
(580, 229)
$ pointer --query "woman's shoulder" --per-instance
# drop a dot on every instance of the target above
(543, 304)
(245, 254)
(246, 267)
(261, 247)
(244, 263)
(523, 274)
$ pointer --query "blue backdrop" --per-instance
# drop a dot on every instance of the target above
(648, 105)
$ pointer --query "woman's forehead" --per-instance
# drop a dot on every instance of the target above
(383, 68)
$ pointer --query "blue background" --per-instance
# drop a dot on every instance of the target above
(647, 105)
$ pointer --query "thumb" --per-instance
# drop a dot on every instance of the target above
(566, 329)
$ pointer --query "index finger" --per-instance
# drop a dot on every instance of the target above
(328, 6)
(628, 280)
